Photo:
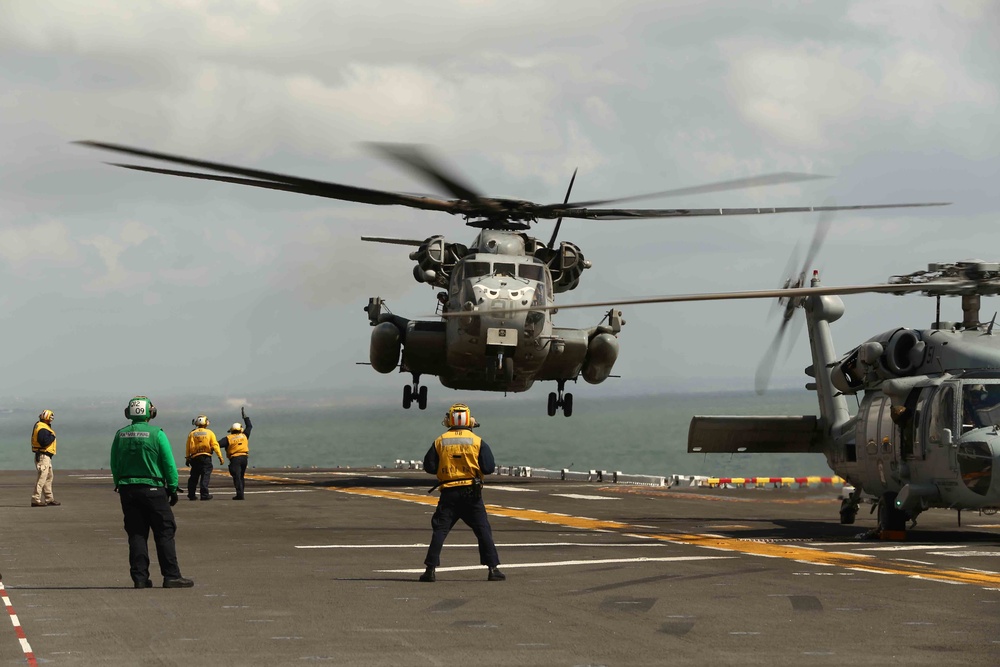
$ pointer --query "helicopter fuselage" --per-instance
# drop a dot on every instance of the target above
(489, 338)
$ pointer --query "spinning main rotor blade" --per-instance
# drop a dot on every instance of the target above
(275, 181)
(630, 214)
(722, 186)
(470, 203)
(418, 160)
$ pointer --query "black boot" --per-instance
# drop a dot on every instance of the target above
(179, 582)
(428, 575)
(496, 575)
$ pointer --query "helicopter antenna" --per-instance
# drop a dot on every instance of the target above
(989, 329)
(555, 232)
(937, 312)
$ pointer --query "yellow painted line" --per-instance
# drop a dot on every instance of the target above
(860, 562)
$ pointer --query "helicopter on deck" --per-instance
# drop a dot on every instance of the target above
(926, 433)
(497, 298)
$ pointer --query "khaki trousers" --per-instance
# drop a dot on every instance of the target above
(43, 486)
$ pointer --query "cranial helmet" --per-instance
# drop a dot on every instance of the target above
(46, 416)
(459, 416)
(236, 428)
(201, 421)
(140, 409)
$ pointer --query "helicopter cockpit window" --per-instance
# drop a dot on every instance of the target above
(476, 269)
(531, 272)
(503, 269)
(980, 406)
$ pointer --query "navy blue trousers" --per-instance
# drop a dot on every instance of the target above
(201, 475)
(457, 504)
(148, 507)
(238, 470)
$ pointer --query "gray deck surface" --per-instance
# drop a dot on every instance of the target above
(321, 567)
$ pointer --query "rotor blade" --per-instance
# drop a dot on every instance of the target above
(787, 277)
(765, 368)
(327, 190)
(639, 213)
(392, 241)
(555, 232)
(274, 181)
(419, 161)
(722, 186)
(948, 287)
(819, 235)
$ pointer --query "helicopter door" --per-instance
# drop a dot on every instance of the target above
(941, 421)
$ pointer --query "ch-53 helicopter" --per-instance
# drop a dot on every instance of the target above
(501, 286)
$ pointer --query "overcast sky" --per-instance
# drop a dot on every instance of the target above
(125, 282)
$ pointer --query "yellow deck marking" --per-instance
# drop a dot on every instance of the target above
(858, 562)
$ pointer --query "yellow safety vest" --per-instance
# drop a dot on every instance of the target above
(239, 445)
(458, 457)
(201, 442)
(35, 446)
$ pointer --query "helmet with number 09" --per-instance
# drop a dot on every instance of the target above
(140, 409)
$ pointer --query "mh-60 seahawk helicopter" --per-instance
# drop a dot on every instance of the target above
(926, 433)
(496, 331)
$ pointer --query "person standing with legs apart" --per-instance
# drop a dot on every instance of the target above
(201, 444)
(145, 475)
(43, 444)
(237, 448)
(460, 458)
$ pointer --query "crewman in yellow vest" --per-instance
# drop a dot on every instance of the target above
(201, 444)
(43, 444)
(460, 458)
(237, 447)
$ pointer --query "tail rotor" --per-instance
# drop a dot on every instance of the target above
(788, 306)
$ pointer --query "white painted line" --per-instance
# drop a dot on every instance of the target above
(92, 476)
(913, 547)
(580, 496)
(964, 554)
(282, 491)
(605, 561)
(18, 630)
(423, 545)
(501, 487)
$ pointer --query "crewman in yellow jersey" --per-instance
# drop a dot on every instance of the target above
(460, 458)
(201, 444)
(237, 447)
(43, 444)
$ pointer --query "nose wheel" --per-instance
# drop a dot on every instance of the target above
(560, 400)
(415, 392)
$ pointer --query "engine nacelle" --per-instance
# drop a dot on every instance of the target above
(894, 354)
(435, 260)
(602, 353)
(385, 347)
(565, 264)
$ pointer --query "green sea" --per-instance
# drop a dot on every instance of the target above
(631, 434)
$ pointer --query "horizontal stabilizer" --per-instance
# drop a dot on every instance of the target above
(754, 435)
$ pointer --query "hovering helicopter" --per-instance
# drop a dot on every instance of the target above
(495, 331)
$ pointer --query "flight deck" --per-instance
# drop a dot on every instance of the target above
(321, 567)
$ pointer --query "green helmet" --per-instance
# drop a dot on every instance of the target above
(140, 409)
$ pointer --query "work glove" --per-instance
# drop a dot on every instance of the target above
(116, 488)
(243, 413)
(187, 462)
(173, 497)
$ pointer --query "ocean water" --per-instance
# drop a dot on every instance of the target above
(638, 435)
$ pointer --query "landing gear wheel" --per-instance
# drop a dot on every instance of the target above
(848, 510)
(407, 397)
(553, 404)
(422, 398)
(890, 518)
(508, 369)
(567, 405)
